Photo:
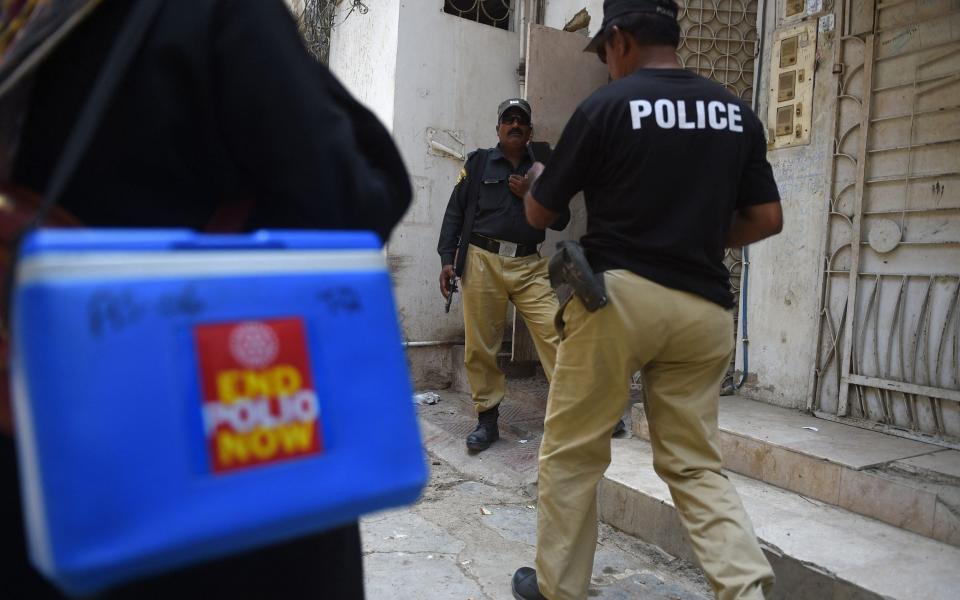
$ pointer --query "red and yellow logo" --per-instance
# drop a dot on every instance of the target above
(259, 405)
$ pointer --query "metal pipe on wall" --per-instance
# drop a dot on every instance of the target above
(530, 12)
(745, 278)
(433, 343)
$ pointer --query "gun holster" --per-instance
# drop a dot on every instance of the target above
(571, 275)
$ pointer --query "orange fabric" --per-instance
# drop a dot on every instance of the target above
(15, 16)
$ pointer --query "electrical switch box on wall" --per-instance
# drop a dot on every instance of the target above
(793, 8)
(790, 104)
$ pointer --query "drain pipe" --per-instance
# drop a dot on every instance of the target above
(745, 278)
(745, 339)
(433, 343)
(530, 13)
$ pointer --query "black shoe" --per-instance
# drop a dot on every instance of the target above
(486, 432)
(620, 428)
(524, 585)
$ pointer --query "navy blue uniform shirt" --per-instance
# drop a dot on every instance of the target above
(499, 212)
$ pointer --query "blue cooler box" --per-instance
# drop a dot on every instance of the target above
(181, 397)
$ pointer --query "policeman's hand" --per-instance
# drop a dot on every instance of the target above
(519, 185)
(446, 274)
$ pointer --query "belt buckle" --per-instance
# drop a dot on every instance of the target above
(508, 249)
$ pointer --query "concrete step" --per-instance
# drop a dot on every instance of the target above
(911, 485)
(511, 461)
(818, 551)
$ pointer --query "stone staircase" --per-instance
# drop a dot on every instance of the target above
(841, 512)
(911, 485)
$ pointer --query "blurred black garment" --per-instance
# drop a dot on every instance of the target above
(16, 574)
(220, 105)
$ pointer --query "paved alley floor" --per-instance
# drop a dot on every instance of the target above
(476, 522)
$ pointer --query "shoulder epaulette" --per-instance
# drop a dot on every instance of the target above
(463, 171)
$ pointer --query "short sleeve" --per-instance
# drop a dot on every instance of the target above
(571, 166)
(757, 185)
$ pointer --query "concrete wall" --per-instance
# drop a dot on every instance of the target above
(784, 271)
(363, 54)
(452, 74)
(427, 75)
(783, 287)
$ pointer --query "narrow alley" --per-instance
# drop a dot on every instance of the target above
(476, 522)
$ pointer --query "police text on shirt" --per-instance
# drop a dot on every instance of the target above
(673, 114)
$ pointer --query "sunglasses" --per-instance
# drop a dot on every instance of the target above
(518, 119)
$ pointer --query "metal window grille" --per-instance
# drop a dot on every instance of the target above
(718, 40)
(889, 339)
(488, 12)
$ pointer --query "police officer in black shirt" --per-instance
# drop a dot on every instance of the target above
(502, 263)
(673, 169)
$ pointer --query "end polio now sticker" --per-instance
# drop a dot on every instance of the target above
(259, 403)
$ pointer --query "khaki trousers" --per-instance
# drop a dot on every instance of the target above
(683, 345)
(489, 281)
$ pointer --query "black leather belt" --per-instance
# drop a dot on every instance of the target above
(507, 249)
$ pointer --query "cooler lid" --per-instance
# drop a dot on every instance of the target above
(144, 254)
(125, 240)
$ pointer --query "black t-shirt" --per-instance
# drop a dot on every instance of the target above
(221, 103)
(664, 158)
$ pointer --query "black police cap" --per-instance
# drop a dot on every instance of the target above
(514, 103)
(613, 9)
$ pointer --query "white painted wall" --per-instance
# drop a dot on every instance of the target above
(363, 54)
(451, 74)
(420, 69)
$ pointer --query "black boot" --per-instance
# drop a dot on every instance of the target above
(486, 432)
(524, 585)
